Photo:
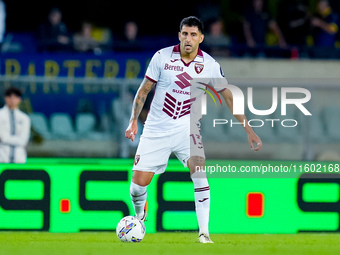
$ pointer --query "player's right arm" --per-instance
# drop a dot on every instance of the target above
(137, 107)
(151, 77)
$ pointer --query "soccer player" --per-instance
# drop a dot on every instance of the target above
(167, 128)
(14, 129)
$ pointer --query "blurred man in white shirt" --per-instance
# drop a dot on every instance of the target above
(14, 129)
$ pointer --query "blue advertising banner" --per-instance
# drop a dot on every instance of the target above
(68, 95)
(112, 65)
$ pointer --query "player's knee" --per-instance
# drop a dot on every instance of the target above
(142, 178)
(196, 164)
(196, 161)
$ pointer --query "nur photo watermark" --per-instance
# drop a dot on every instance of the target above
(289, 96)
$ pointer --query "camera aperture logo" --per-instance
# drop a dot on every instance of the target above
(289, 96)
(209, 93)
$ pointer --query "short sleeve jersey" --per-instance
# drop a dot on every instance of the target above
(171, 105)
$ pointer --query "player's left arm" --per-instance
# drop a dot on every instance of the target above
(252, 137)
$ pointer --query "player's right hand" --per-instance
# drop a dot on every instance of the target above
(131, 130)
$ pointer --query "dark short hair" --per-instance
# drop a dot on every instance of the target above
(13, 91)
(192, 21)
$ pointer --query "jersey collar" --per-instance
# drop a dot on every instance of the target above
(176, 55)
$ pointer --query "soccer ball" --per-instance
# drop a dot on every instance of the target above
(130, 229)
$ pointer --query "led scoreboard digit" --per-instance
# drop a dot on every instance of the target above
(93, 195)
(23, 202)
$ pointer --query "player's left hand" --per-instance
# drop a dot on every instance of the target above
(254, 139)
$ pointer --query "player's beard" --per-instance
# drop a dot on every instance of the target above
(190, 49)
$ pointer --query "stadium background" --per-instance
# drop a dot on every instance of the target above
(79, 167)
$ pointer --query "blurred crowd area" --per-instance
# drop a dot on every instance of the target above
(242, 28)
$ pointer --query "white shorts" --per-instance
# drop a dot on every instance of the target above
(154, 149)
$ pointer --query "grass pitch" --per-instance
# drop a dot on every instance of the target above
(38, 243)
